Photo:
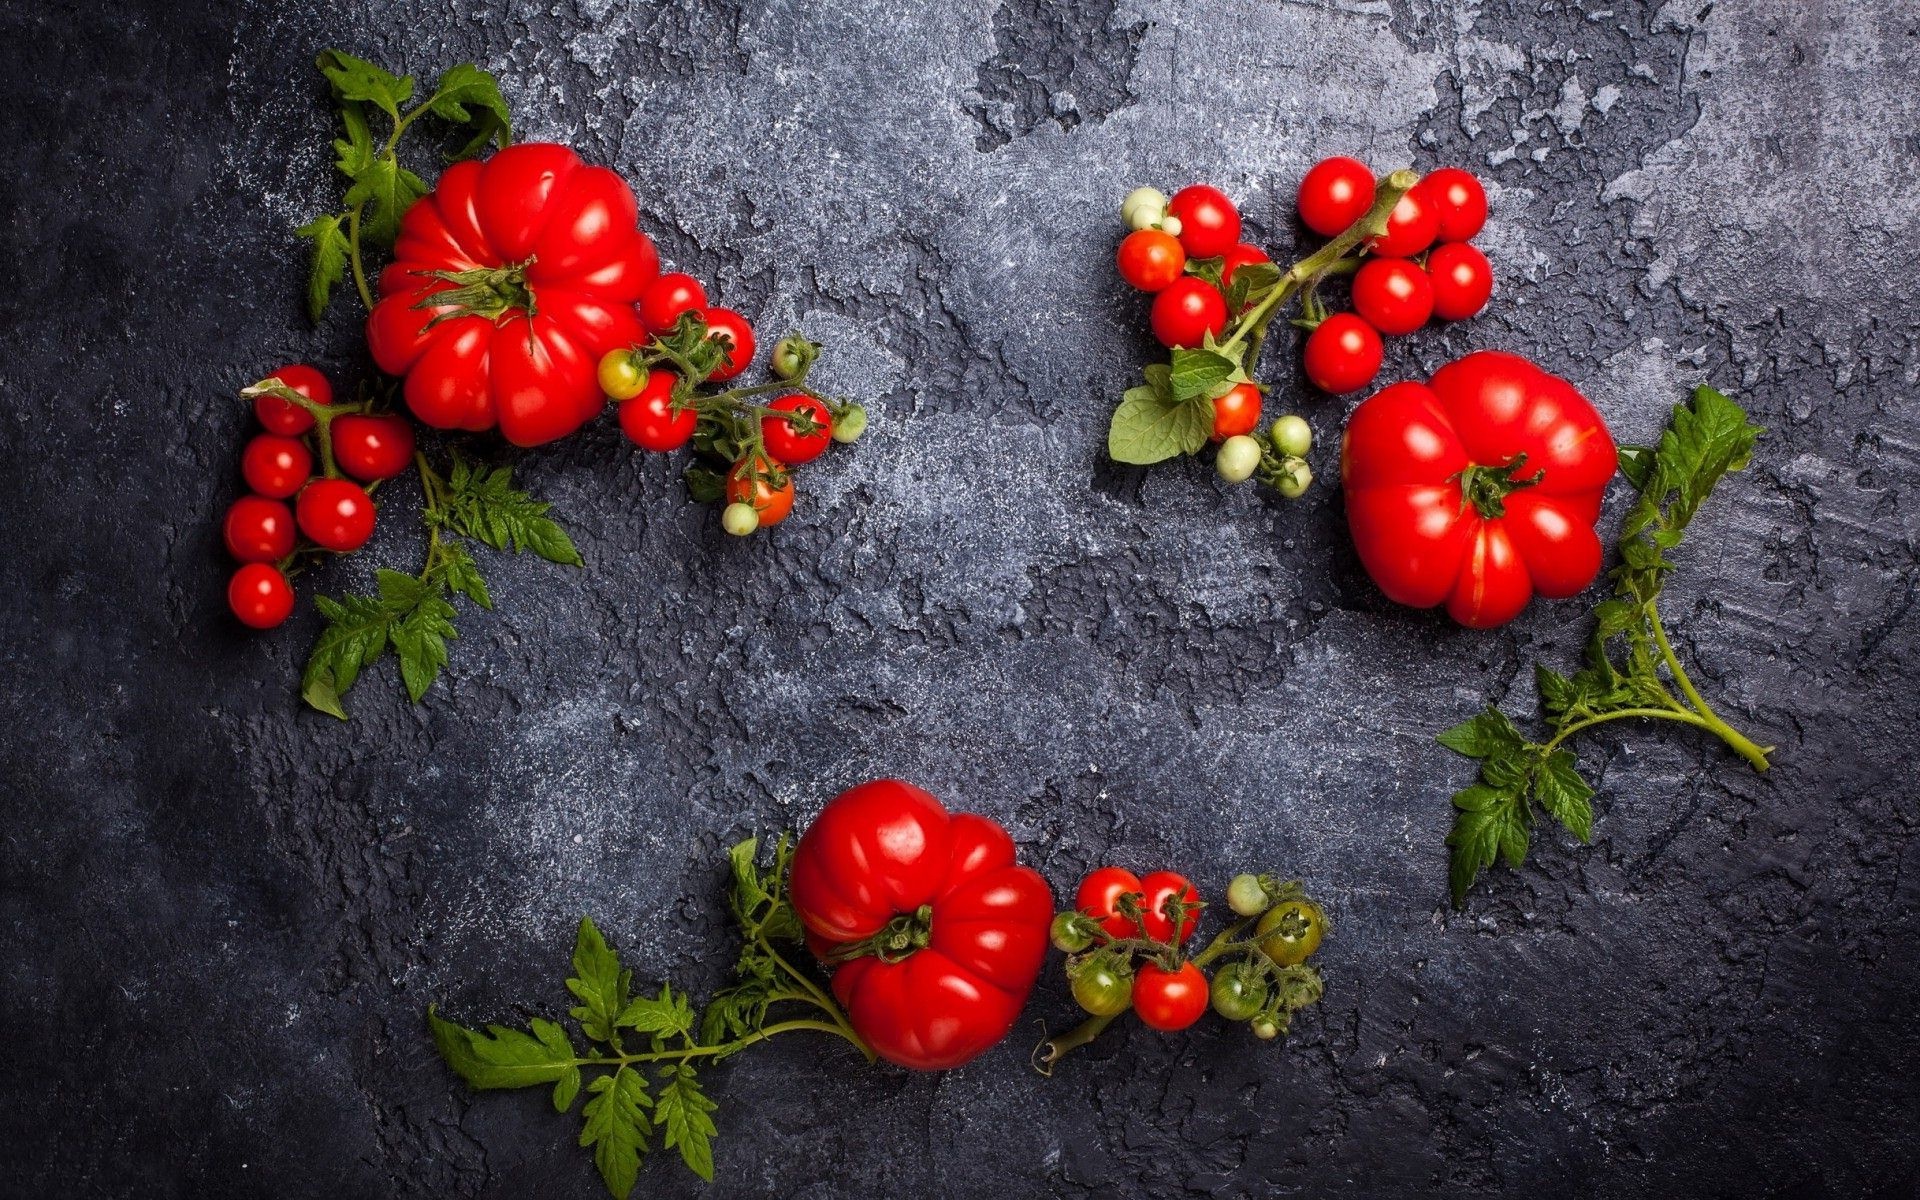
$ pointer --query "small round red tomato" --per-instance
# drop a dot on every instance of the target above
(285, 418)
(1343, 354)
(336, 514)
(1159, 886)
(728, 323)
(1150, 259)
(1236, 411)
(275, 466)
(1169, 1000)
(372, 447)
(1209, 223)
(666, 298)
(772, 502)
(783, 437)
(648, 419)
(1462, 281)
(1239, 257)
(260, 596)
(1099, 898)
(1334, 194)
(1186, 312)
(1393, 295)
(1411, 227)
(258, 530)
(1459, 203)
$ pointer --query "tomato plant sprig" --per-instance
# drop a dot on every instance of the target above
(1630, 658)
(644, 1052)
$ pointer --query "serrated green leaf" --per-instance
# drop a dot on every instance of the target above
(1565, 794)
(616, 1125)
(468, 95)
(386, 190)
(354, 637)
(666, 1015)
(329, 260)
(681, 1109)
(353, 154)
(705, 485)
(1483, 735)
(1196, 373)
(483, 504)
(1147, 429)
(357, 79)
(1481, 826)
(501, 1057)
(462, 574)
(420, 642)
(599, 983)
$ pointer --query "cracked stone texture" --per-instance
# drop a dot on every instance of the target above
(224, 915)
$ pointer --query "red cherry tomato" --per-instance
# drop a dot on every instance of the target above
(1478, 489)
(1169, 1000)
(648, 418)
(1209, 223)
(1459, 203)
(772, 503)
(1099, 898)
(1187, 311)
(1343, 354)
(735, 327)
(1150, 259)
(1334, 194)
(335, 514)
(1462, 281)
(886, 857)
(260, 596)
(290, 420)
(1236, 411)
(1158, 886)
(1411, 227)
(1239, 257)
(276, 466)
(666, 298)
(784, 442)
(258, 530)
(372, 447)
(1393, 295)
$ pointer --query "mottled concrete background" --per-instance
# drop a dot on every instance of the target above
(223, 915)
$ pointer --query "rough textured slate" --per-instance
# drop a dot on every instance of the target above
(224, 915)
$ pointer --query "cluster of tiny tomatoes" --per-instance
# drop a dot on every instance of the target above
(291, 509)
(756, 445)
(1126, 943)
(1422, 267)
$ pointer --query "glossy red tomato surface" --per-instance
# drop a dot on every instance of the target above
(284, 417)
(1393, 295)
(1187, 311)
(276, 466)
(1209, 223)
(1411, 227)
(1170, 1000)
(724, 322)
(1099, 898)
(885, 852)
(550, 259)
(1462, 281)
(1235, 411)
(1459, 203)
(666, 298)
(335, 514)
(372, 447)
(260, 596)
(648, 419)
(1158, 886)
(1334, 194)
(259, 530)
(1238, 257)
(1430, 477)
(1343, 354)
(772, 502)
(782, 437)
(1150, 259)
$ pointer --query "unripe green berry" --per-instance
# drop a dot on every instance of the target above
(1264, 1029)
(1295, 476)
(1292, 436)
(739, 518)
(1237, 459)
(1246, 897)
(1143, 208)
(849, 423)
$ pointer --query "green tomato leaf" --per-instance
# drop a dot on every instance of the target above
(1148, 429)
(329, 263)
(1487, 822)
(357, 79)
(1484, 735)
(355, 636)
(387, 190)
(682, 1111)
(618, 1128)
(468, 95)
(501, 1057)
(483, 504)
(1563, 793)
(599, 983)
(1196, 373)
(667, 1015)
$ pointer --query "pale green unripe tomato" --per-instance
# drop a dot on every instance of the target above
(1295, 477)
(849, 424)
(1237, 459)
(739, 519)
(1246, 897)
(1143, 208)
(1292, 436)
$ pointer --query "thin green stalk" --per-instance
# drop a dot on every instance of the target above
(758, 1035)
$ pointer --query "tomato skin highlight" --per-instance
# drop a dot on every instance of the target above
(1150, 259)
(882, 851)
(259, 596)
(666, 298)
(1334, 194)
(648, 418)
(1235, 412)
(1423, 539)
(1186, 311)
(335, 514)
(773, 504)
(1209, 223)
(1099, 897)
(1459, 203)
(258, 530)
(793, 448)
(1343, 354)
(276, 466)
(288, 419)
(1170, 1000)
(1393, 295)
(734, 326)
(1158, 885)
(1411, 227)
(1462, 281)
(372, 447)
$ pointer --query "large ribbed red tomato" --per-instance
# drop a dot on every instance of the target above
(947, 931)
(1477, 489)
(532, 261)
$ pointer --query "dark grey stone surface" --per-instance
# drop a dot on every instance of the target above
(223, 915)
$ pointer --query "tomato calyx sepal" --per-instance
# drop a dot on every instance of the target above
(485, 292)
(896, 941)
(1486, 488)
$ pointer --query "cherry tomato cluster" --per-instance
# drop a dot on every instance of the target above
(1126, 940)
(289, 508)
(660, 408)
(1422, 267)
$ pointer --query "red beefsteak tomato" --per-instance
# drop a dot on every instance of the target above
(1477, 489)
(510, 280)
(938, 934)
